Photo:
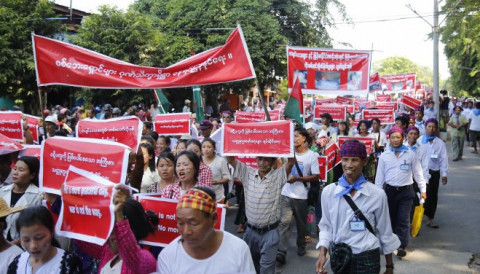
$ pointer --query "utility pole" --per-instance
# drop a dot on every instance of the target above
(435, 29)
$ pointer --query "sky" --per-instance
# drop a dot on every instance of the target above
(387, 27)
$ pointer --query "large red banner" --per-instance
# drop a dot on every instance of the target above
(32, 150)
(269, 139)
(323, 167)
(384, 98)
(250, 161)
(60, 63)
(410, 102)
(350, 108)
(87, 209)
(105, 158)
(329, 71)
(124, 130)
(7, 145)
(173, 123)
(11, 125)
(32, 122)
(249, 117)
(386, 116)
(375, 82)
(337, 112)
(398, 82)
(166, 210)
(387, 105)
(344, 100)
(324, 101)
(369, 142)
(333, 156)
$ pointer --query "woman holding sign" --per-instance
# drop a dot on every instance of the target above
(219, 166)
(165, 167)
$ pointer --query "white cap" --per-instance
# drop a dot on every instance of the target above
(51, 119)
(311, 125)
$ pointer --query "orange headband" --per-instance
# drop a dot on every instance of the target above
(198, 199)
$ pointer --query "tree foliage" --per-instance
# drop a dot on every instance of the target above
(18, 19)
(462, 44)
(399, 65)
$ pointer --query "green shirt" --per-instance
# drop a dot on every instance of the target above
(462, 120)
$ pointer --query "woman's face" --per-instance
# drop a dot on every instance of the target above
(412, 136)
(185, 169)
(21, 174)
(363, 128)
(36, 240)
(342, 126)
(180, 147)
(207, 149)
(195, 149)
(161, 144)
(165, 168)
(146, 156)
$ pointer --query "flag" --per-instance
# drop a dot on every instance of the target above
(163, 103)
(294, 106)
(197, 103)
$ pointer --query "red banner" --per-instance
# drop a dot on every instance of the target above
(398, 82)
(32, 150)
(7, 145)
(60, 63)
(124, 130)
(375, 82)
(32, 122)
(269, 139)
(384, 98)
(387, 105)
(337, 112)
(350, 108)
(369, 142)
(167, 228)
(333, 156)
(386, 116)
(274, 115)
(324, 101)
(173, 124)
(250, 161)
(329, 71)
(104, 158)
(344, 100)
(323, 167)
(249, 117)
(410, 102)
(11, 125)
(87, 209)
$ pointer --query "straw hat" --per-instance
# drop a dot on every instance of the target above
(5, 210)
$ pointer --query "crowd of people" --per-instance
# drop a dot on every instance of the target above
(363, 210)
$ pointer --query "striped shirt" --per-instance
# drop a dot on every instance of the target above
(262, 196)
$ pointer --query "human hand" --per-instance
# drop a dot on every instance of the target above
(293, 179)
(320, 264)
(444, 180)
(119, 198)
(423, 195)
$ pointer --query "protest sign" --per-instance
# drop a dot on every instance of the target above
(387, 105)
(87, 211)
(337, 112)
(410, 102)
(329, 71)
(250, 161)
(344, 100)
(274, 114)
(324, 101)
(166, 210)
(7, 145)
(368, 141)
(375, 82)
(32, 150)
(124, 130)
(172, 123)
(11, 125)
(350, 108)
(249, 117)
(269, 139)
(32, 122)
(398, 82)
(386, 116)
(323, 167)
(60, 63)
(384, 98)
(101, 157)
(333, 156)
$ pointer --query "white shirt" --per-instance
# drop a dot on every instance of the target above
(337, 214)
(220, 171)
(308, 164)
(420, 126)
(421, 157)
(7, 257)
(52, 266)
(117, 268)
(149, 179)
(475, 122)
(436, 152)
(233, 256)
(429, 113)
(383, 138)
(389, 170)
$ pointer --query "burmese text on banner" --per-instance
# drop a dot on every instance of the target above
(398, 82)
(173, 123)
(60, 63)
(11, 125)
(329, 71)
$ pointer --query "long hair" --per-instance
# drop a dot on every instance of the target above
(194, 159)
(33, 167)
(151, 152)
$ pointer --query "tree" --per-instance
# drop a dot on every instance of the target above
(399, 65)
(18, 19)
(462, 45)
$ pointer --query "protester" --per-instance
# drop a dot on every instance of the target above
(165, 168)
(295, 194)
(379, 136)
(457, 124)
(326, 125)
(23, 192)
(200, 248)
(395, 172)
(219, 167)
(402, 122)
(51, 125)
(147, 127)
(262, 188)
(163, 144)
(436, 150)
(187, 170)
(186, 107)
(181, 146)
(122, 253)
(206, 175)
(419, 123)
(475, 127)
(429, 111)
(356, 243)
(150, 176)
(36, 228)
(227, 116)
(206, 128)
(8, 251)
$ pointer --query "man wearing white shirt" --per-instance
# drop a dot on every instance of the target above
(339, 223)
(419, 123)
(394, 173)
(436, 151)
(429, 111)
(475, 126)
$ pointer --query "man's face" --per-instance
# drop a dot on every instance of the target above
(352, 167)
(206, 132)
(227, 118)
(51, 127)
(375, 125)
(457, 111)
(264, 164)
(396, 139)
(194, 227)
(431, 129)
(412, 136)
(311, 132)
(418, 115)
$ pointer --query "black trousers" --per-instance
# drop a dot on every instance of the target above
(432, 194)
(400, 203)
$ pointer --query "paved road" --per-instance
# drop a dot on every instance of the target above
(445, 250)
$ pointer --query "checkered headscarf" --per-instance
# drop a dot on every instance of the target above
(198, 199)
(353, 148)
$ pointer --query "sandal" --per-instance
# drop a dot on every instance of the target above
(308, 239)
